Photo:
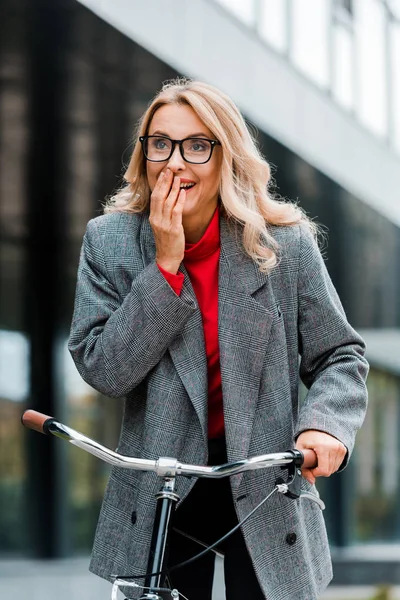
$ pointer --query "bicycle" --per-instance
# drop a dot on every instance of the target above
(168, 469)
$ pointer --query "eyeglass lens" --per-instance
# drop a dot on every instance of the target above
(195, 150)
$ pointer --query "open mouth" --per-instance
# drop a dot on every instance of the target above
(187, 186)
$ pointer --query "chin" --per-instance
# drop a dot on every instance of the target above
(191, 207)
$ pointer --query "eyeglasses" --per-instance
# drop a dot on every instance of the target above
(157, 148)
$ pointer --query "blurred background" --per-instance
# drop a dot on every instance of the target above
(319, 83)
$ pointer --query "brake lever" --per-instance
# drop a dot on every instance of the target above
(314, 498)
(119, 582)
(292, 487)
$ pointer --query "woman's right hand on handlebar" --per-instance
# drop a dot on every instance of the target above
(166, 206)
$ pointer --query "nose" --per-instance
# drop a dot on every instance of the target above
(176, 162)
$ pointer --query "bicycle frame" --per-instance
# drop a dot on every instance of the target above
(166, 502)
(168, 469)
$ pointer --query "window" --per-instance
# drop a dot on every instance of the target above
(272, 23)
(99, 418)
(343, 66)
(376, 464)
(394, 44)
(371, 65)
(244, 10)
(311, 26)
(394, 7)
(14, 388)
(347, 5)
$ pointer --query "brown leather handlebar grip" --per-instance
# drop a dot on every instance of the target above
(310, 458)
(35, 420)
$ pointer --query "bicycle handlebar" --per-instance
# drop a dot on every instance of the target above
(35, 420)
(164, 466)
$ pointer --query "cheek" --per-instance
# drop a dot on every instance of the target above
(211, 179)
(215, 172)
(214, 182)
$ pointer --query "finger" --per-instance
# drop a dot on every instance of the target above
(155, 205)
(165, 184)
(172, 197)
(323, 456)
(176, 218)
(308, 474)
(326, 464)
(338, 458)
(333, 460)
(160, 192)
(310, 459)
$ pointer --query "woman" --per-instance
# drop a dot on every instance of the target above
(197, 292)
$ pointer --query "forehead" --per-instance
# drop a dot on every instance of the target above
(178, 122)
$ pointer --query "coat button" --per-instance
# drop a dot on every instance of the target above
(291, 539)
(134, 517)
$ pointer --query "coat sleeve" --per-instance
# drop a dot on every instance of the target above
(332, 364)
(115, 342)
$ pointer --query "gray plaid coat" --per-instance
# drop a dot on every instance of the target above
(132, 336)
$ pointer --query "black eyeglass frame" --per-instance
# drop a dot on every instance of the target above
(144, 138)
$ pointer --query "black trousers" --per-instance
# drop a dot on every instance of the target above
(207, 514)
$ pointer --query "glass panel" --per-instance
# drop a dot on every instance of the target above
(14, 347)
(377, 465)
(14, 385)
(371, 65)
(395, 83)
(245, 10)
(14, 366)
(272, 24)
(347, 5)
(99, 418)
(343, 66)
(311, 26)
(394, 6)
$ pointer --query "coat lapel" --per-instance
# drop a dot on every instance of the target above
(187, 350)
(244, 329)
(244, 326)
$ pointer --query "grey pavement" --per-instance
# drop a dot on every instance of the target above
(70, 580)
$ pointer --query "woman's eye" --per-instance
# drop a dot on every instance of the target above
(197, 147)
(160, 145)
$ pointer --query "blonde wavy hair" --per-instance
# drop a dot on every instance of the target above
(245, 181)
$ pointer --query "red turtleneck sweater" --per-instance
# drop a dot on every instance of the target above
(201, 262)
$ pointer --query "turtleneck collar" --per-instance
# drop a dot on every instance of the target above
(207, 244)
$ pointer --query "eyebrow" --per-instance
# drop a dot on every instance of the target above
(193, 135)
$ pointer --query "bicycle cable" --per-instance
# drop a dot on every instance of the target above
(203, 552)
